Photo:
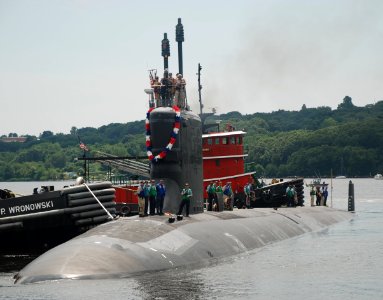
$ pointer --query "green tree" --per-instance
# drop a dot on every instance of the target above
(346, 104)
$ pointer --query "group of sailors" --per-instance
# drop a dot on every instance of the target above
(169, 90)
(214, 191)
(292, 197)
(151, 197)
(319, 195)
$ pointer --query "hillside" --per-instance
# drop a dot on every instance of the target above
(282, 143)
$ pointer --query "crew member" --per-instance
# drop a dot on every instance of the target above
(247, 190)
(152, 197)
(210, 195)
(146, 195)
(166, 89)
(156, 85)
(218, 195)
(227, 196)
(290, 193)
(312, 195)
(180, 94)
(186, 195)
(318, 196)
(161, 191)
(325, 195)
(173, 86)
(141, 199)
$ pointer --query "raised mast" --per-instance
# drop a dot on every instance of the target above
(165, 47)
(199, 89)
(180, 39)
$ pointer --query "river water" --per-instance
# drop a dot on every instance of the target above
(344, 261)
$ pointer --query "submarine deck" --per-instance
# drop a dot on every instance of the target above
(134, 245)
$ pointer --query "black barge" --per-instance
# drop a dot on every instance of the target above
(40, 221)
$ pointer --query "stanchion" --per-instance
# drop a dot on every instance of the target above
(351, 198)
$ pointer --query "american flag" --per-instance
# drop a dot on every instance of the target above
(83, 146)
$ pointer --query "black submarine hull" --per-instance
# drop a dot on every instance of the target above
(130, 246)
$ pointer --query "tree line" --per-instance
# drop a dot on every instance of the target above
(309, 142)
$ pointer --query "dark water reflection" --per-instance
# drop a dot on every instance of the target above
(171, 284)
(13, 263)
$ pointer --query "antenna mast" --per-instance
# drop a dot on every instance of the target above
(165, 46)
(180, 39)
(199, 89)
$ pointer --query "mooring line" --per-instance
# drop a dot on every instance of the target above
(99, 202)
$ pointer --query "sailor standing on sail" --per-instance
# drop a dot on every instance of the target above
(165, 92)
(180, 94)
(155, 84)
(173, 86)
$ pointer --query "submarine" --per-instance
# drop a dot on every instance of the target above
(130, 246)
(133, 246)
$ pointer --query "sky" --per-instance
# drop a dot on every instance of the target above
(84, 63)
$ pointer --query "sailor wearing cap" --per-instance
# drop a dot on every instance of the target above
(141, 199)
(186, 194)
(146, 193)
(161, 191)
(227, 196)
(180, 93)
(152, 197)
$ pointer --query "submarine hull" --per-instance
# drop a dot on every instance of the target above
(130, 246)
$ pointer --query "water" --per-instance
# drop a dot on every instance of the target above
(344, 261)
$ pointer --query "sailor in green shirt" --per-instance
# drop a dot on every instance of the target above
(186, 194)
(218, 188)
(152, 197)
(218, 194)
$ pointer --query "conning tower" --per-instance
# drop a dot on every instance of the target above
(174, 139)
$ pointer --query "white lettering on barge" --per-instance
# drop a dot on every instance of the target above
(30, 207)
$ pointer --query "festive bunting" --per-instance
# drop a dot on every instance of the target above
(173, 136)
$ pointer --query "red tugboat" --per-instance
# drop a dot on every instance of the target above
(224, 159)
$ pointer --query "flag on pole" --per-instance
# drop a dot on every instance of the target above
(83, 146)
